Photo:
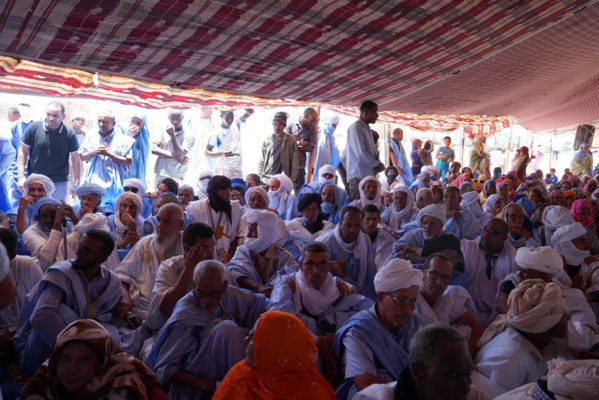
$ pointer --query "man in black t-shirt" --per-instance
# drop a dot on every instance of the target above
(48, 144)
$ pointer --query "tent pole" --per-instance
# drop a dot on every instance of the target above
(507, 152)
(550, 152)
(309, 173)
(462, 141)
(387, 137)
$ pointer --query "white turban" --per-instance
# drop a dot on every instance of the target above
(90, 188)
(397, 274)
(286, 183)
(267, 229)
(91, 221)
(203, 181)
(136, 183)
(261, 192)
(43, 180)
(431, 169)
(79, 114)
(326, 169)
(434, 210)
(534, 307)
(333, 119)
(542, 259)
(568, 233)
(377, 199)
(576, 379)
(469, 198)
(409, 202)
(555, 216)
(489, 206)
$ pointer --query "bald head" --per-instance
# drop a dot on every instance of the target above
(169, 221)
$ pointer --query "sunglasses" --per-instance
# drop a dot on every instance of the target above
(130, 189)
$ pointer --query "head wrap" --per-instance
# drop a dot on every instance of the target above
(284, 371)
(575, 379)
(261, 192)
(117, 372)
(430, 169)
(377, 199)
(433, 210)
(534, 307)
(527, 204)
(489, 206)
(469, 198)
(91, 221)
(42, 202)
(136, 183)
(90, 188)
(267, 229)
(43, 180)
(423, 176)
(543, 259)
(575, 210)
(555, 216)
(216, 183)
(409, 202)
(333, 119)
(569, 194)
(278, 198)
(397, 274)
(562, 243)
(79, 114)
(579, 155)
(120, 227)
(240, 183)
(326, 169)
(203, 181)
(595, 195)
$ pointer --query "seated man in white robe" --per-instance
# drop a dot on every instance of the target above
(382, 241)
(69, 290)
(308, 227)
(221, 214)
(205, 335)
(261, 260)
(545, 264)
(515, 349)
(90, 198)
(431, 220)
(460, 221)
(487, 261)
(520, 229)
(436, 353)
(42, 239)
(127, 225)
(401, 212)
(35, 187)
(257, 198)
(374, 343)
(281, 196)
(26, 273)
(322, 302)
(438, 301)
(370, 193)
(352, 253)
(138, 270)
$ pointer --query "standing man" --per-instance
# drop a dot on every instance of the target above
(224, 144)
(172, 147)
(304, 133)
(360, 151)
(109, 156)
(78, 122)
(399, 158)
(50, 142)
(279, 152)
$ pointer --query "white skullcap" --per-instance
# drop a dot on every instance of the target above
(369, 178)
(555, 216)
(79, 114)
(90, 188)
(397, 274)
(469, 198)
(576, 379)
(43, 180)
(434, 210)
(333, 119)
(542, 259)
(327, 169)
(260, 190)
(286, 183)
(407, 191)
(136, 183)
(430, 169)
(568, 233)
(91, 221)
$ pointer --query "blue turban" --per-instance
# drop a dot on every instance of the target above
(90, 188)
(42, 202)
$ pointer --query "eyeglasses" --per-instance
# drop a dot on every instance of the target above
(492, 232)
(438, 277)
(213, 295)
(514, 216)
(402, 302)
(130, 189)
(311, 265)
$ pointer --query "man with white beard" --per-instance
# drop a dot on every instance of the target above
(401, 212)
(282, 200)
(138, 270)
(261, 260)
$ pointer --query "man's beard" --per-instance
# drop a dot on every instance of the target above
(84, 267)
(162, 245)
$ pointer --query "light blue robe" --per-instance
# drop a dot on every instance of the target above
(104, 171)
(466, 227)
(390, 353)
(204, 343)
(402, 160)
(59, 299)
(347, 304)
(327, 147)
(242, 265)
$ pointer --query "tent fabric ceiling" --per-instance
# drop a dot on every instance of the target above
(535, 60)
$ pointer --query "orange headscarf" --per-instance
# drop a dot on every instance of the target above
(284, 368)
